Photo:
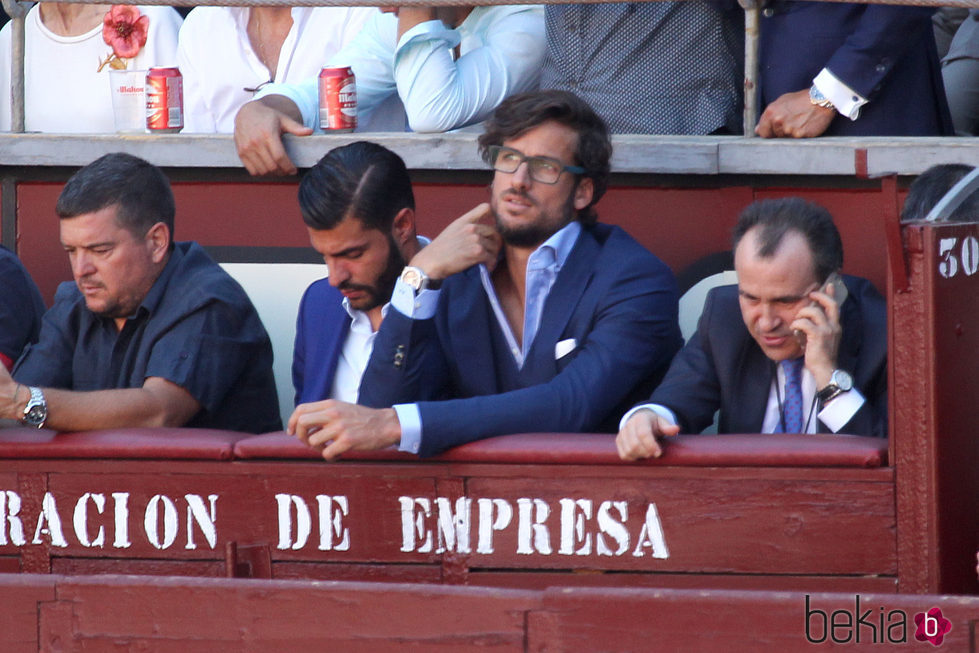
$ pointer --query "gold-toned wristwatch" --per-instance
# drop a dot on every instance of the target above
(417, 279)
(820, 100)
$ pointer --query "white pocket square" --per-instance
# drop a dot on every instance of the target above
(564, 347)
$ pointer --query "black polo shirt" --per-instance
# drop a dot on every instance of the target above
(196, 328)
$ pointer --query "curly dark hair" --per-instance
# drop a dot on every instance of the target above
(520, 113)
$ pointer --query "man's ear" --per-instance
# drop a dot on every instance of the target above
(583, 192)
(158, 242)
(403, 227)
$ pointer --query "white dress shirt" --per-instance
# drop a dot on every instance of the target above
(418, 81)
(218, 63)
(354, 354)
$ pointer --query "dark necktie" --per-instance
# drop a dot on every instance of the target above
(792, 409)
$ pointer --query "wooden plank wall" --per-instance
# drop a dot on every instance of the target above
(760, 512)
(57, 613)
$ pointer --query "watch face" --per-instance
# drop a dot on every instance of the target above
(843, 380)
(412, 277)
(36, 415)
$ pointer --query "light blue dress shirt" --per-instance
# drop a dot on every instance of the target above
(502, 49)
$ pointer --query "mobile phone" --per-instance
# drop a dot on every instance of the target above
(840, 294)
(839, 288)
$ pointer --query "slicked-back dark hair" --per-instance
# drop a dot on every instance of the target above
(521, 113)
(364, 180)
(139, 190)
(775, 218)
(931, 186)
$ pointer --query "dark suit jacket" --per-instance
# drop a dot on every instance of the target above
(615, 299)
(321, 328)
(885, 53)
(21, 308)
(723, 368)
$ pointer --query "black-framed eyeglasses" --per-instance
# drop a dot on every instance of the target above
(541, 168)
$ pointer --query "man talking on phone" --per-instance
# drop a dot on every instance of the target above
(792, 348)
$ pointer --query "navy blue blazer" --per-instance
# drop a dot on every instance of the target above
(885, 53)
(723, 368)
(21, 306)
(613, 299)
(321, 328)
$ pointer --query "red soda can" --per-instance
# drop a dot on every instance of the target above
(338, 100)
(164, 99)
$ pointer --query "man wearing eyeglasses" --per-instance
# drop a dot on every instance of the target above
(524, 314)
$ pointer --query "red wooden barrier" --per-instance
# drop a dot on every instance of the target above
(934, 345)
(56, 613)
(743, 511)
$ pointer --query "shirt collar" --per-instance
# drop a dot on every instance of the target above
(555, 250)
(359, 319)
(155, 295)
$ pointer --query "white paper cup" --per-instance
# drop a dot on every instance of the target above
(129, 99)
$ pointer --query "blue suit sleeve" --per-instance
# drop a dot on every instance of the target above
(406, 365)
(299, 352)
(882, 36)
(691, 389)
(21, 307)
(633, 333)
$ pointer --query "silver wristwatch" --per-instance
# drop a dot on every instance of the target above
(415, 278)
(839, 382)
(36, 411)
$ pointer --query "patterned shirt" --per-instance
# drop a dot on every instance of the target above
(650, 68)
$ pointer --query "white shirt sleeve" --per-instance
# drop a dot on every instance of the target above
(845, 99)
(305, 95)
(370, 53)
(838, 413)
(411, 427)
(197, 115)
(503, 49)
(662, 411)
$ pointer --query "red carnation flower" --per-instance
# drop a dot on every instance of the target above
(125, 30)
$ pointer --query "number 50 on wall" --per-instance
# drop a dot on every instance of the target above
(953, 257)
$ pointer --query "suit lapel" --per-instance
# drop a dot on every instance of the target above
(561, 303)
(752, 392)
(335, 347)
(474, 332)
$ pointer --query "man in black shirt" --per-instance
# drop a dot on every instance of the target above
(151, 332)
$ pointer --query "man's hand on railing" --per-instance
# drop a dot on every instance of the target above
(792, 115)
(259, 126)
(641, 436)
